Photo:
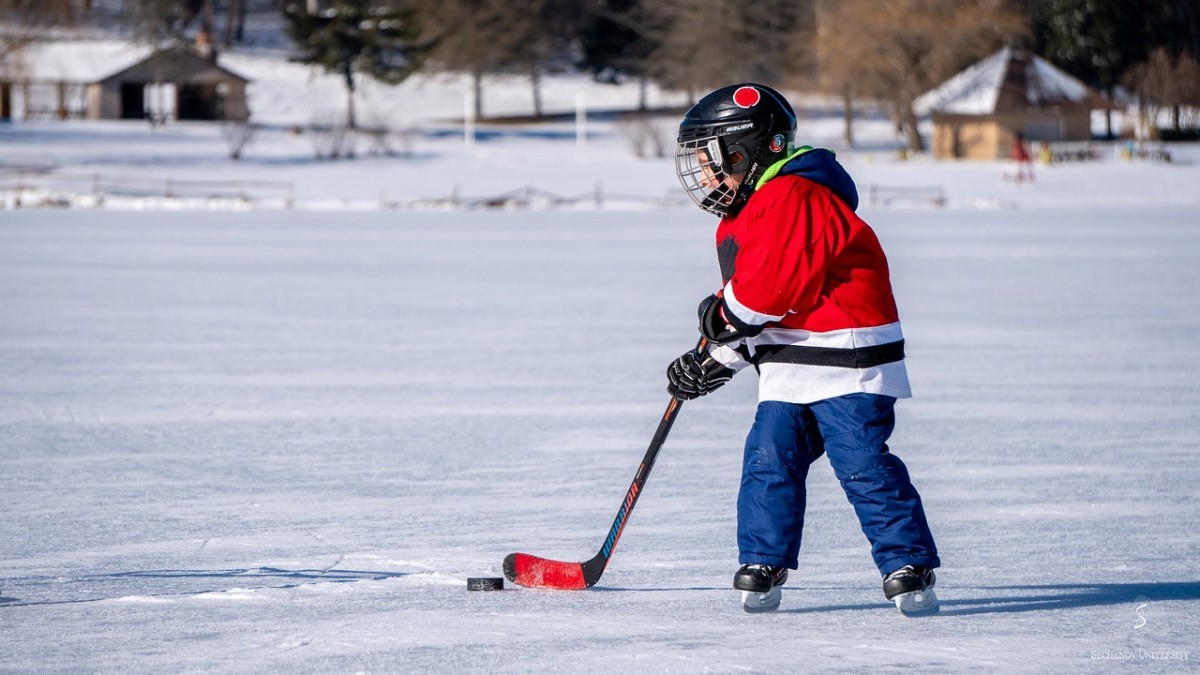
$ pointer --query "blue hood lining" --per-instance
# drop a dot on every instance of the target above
(821, 166)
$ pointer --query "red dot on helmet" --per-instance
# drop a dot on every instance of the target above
(746, 97)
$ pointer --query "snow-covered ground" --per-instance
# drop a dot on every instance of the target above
(281, 440)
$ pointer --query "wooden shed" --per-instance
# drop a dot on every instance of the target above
(112, 80)
(979, 112)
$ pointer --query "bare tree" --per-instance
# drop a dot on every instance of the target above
(43, 12)
(702, 44)
(836, 74)
(898, 50)
(160, 23)
(235, 21)
(1164, 81)
(478, 37)
(24, 21)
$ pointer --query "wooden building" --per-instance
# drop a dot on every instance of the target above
(114, 80)
(978, 113)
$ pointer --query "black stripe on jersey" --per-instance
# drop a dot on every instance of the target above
(857, 357)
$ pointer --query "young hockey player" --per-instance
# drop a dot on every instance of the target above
(808, 302)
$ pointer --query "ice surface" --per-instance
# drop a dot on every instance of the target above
(282, 440)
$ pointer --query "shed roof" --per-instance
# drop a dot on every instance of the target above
(1011, 80)
(83, 61)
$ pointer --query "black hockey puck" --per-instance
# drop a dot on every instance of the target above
(485, 583)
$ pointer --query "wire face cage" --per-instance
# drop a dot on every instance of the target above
(700, 165)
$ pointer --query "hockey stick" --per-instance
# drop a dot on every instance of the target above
(536, 572)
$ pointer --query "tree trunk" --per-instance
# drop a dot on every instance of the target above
(643, 86)
(912, 135)
(535, 78)
(1108, 132)
(227, 38)
(349, 75)
(239, 32)
(477, 87)
(61, 111)
(848, 118)
(235, 21)
(206, 20)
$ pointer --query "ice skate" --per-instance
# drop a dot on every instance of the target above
(911, 588)
(760, 586)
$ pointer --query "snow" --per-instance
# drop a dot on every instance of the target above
(275, 97)
(281, 439)
(78, 61)
(971, 92)
(1055, 85)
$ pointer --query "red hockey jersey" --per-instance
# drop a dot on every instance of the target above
(799, 262)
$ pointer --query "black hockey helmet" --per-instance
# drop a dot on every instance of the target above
(727, 140)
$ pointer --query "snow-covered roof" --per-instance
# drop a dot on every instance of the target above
(78, 60)
(1009, 80)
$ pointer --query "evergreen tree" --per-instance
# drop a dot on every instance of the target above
(160, 23)
(1173, 25)
(611, 38)
(357, 36)
(1094, 40)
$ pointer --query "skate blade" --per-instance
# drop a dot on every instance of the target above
(917, 603)
(754, 603)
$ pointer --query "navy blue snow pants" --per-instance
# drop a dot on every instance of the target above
(853, 430)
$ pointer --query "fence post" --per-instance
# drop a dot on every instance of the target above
(580, 120)
(469, 119)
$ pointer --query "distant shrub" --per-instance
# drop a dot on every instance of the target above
(647, 137)
(331, 140)
(237, 136)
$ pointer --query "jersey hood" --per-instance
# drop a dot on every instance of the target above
(818, 165)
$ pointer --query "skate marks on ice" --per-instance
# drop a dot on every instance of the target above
(164, 585)
(972, 600)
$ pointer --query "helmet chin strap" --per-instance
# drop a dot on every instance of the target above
(745, 189)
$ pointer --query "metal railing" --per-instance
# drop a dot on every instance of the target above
(36, 187)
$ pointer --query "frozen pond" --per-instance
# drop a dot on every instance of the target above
(282, 441)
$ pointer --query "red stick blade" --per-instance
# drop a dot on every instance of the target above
(534, 572)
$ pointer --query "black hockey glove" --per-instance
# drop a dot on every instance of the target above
(695, 374)
(718, 327)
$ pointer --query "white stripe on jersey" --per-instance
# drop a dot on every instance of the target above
(744, 313)
(842, 338)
